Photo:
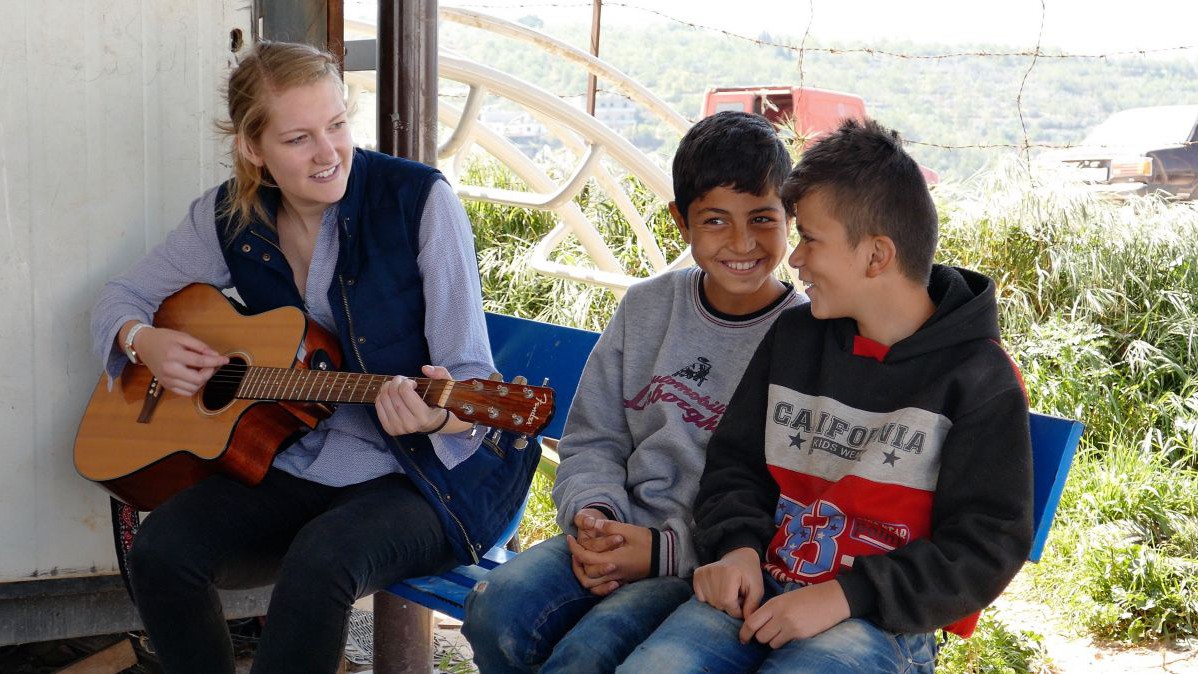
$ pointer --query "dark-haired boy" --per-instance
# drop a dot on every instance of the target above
(871, 479)
(651, 394)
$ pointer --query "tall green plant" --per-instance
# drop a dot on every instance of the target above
(1099, 304)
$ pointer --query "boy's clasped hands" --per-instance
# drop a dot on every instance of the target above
(734, 585)
(607, 554)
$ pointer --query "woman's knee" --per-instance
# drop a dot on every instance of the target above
(157, 556)
(319, 567)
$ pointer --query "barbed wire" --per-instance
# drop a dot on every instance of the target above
(1038, 52)
(806, 34)
(1027, 155)
(1035, 55)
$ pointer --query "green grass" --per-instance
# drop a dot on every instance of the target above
(995, 648)
(1099, 306)
(540, 517)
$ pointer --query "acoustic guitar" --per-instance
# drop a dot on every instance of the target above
(143, 443)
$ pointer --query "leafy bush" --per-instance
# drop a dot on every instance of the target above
(994, 648)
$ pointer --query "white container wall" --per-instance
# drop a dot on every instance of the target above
(106, 135)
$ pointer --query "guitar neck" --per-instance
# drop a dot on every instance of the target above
(512, 406)
(320, 386)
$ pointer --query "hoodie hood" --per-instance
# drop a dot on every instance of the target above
(965, 311)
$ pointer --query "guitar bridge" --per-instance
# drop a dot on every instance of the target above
(153, 393)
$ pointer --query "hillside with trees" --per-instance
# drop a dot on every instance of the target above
(955, 100)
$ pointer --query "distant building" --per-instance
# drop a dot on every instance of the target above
(618, 113)
(518, 126)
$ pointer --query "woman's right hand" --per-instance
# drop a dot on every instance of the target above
(181, 362)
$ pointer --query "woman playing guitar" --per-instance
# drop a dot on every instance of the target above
(379, 252)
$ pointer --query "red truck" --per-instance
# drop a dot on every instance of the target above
(817, 112)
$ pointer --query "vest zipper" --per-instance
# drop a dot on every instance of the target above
(349, 321)
(272, 243)
(353, 340)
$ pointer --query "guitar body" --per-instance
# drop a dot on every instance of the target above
(186, 439)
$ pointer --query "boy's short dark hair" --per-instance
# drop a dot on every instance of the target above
(729, 149)
(875, 188)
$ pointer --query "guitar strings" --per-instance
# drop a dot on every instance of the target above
(358, 387)
(230, 377)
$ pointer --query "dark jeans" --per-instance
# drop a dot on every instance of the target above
(324, 547)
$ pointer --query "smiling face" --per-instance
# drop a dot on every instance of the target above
(306, 145)
(834, 271)
(738, 238)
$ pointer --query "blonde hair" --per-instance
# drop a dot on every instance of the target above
(270, 69)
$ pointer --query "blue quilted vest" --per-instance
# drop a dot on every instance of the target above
(378, 305)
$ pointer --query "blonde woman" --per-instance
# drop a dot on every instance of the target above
(378, 250)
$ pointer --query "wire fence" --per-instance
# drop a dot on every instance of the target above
(802, 50)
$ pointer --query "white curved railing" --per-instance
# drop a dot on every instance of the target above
(596, 148)
(612, 75)
(578, 131)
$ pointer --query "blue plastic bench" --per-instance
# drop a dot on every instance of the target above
(403, 620)
(402, 616)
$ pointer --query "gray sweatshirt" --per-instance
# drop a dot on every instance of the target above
(652, 391)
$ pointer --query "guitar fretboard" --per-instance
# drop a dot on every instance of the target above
(276, 383)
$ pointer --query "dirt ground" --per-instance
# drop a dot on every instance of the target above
(1070, 654)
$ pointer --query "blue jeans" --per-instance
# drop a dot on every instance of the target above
(699, 638)
(531, 612)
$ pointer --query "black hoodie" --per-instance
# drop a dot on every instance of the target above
(904, 474)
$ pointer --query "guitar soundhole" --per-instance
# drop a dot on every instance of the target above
(221, 389)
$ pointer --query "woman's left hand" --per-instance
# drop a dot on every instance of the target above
(402, 411)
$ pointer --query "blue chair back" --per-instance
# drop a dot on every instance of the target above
(538, 351)
(1054, 441)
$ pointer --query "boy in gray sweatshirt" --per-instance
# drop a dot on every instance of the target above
(653, 389)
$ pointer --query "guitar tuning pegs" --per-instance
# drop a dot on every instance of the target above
(495, 376)
(521, 442)
(519, 380)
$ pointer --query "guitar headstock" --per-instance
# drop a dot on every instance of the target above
(511, 406)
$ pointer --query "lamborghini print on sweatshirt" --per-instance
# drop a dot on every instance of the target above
(902, 473)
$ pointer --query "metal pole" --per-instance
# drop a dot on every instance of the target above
(592, 81)
(403, 636)
(407, 79)
(406, 71)
(335, 31)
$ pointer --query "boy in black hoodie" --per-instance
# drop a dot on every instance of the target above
(871, 479)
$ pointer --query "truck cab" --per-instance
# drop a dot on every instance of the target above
(816, 112)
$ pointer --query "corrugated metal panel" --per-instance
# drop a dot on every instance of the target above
(106, 135)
